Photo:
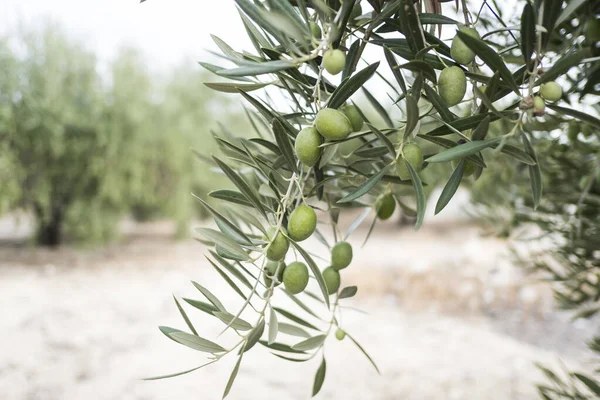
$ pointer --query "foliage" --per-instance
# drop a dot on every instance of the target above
(501, 117)
(80, 149)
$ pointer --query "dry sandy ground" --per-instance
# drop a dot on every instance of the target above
(449, 318)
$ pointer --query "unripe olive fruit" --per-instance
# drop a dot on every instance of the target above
(551, 91)
(356, 120)
(413, 154)
(334, 61)
(315, 30)
(539, 106)
(332, 279)
(591, 30)
(302, 223)
(469, 169)
(333, 124)
(452, 85)
(460, 52)
(295, 277)
(340, 334)
(279, 245)
(573, 131)
(341, 255)
(307, 146)
(385, 206)
(272, 269)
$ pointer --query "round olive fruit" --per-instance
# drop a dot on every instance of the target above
(539, 106)
(340, 334)
(334, 61)
(551, 91)
(591, 30)
(333, 124)
(274, 268)
(356, 120)
(469, 169)
(302, 223)
(341, 255)
(332, 279)
(385, 206)
(295, 277)
(315, 30)
(307, 146)
(573, 131)
(413, 154)
(279, 245)
(460, 52)
(452, 85)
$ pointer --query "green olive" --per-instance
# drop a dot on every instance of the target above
(551, 91)
(315, 30)
(307, 146)
(295, 277)
(385, 206)
(356, 120)
(452, 85)
(413, 154)
(591, 30)
(469, 169)
(341, 255)
(334, 61)
(302, 223)
(274, 268)
(332, 279)
(279, 245)
(539, 106)
(573, 131)
(460, 52)
(340, 334)
(333, 124)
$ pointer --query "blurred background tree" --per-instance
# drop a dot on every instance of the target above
(80, 149)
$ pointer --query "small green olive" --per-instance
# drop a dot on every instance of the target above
(340, 334)
(307, 146)
(551, 91)
(341, 255)
(591, 29)
(469, 169)
(452, 85)
(332, 279)
(334, 61)
(539, 106)
(302, 223)
(315, 30)
(460, 52)
(573, 131)
(274, 268)
(295, 277)
(279, 245)
(412, 153)
(385, 206)
(356, 120)
(333, 124)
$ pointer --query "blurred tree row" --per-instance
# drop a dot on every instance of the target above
(81, 148)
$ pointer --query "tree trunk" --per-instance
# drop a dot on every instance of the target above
(49, 231)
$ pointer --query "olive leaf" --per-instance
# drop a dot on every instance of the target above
(451, 187)
(319, 377)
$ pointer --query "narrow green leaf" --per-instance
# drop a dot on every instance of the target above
(202, 306)
(357, 222)
(571, 7)
(562, 66)
(226, 226)
(315, 270)
(310, 343)
(364, 188)
(364, 352)
(527, 33)
(267, 67)
(384, 139)
(491, 58)
(300, 304)
(231, 196)
(589, 382)
(451, 187)
(463, 150)
(378, 107)
(232, 87)
(419, 193)
(273, 326)
(411, 26)
(412, 116)
(196, 342)
(154, 378)
(422, 67)
(224, 241)
(389, 56)
(463, 124)
(482, 129)
(227, 279)
(552, 10)
(292, 330)
(351, 60)
(233, 375)
(535, 174)
(280, 347)
(255, 335)
(439, 104)
(319, 378)
(448, 144)
(516, 153)
(294, 318)
(436, 19)
(283, 141)
(582, 116)
(349, 86)
(229, 319)
(184, 316)
(348, 292)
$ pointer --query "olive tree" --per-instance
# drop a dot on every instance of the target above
(455, 85)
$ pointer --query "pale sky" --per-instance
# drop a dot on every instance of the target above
(166, 30)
